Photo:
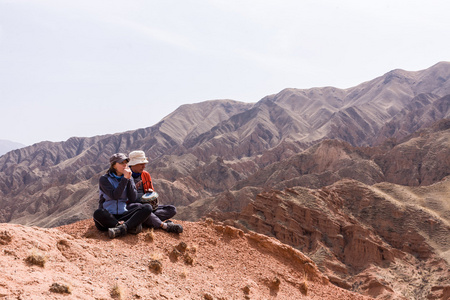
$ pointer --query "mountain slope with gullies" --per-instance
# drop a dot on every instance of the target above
(244, 164)
(421, 159)
(239, 138)
(423, 111)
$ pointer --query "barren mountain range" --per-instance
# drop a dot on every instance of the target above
(356, 179)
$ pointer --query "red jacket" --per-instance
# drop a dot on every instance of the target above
(146, 181)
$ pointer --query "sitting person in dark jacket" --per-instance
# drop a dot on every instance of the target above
(116, 189)
(144, 185)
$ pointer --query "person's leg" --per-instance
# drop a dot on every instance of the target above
(162, 213)
(130, 221)
(153, 221)
(103, 219)
(136, 215)
(165, 212)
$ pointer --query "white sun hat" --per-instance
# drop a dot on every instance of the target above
(137, 157)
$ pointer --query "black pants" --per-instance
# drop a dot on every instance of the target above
(161, 213)
(103, 219)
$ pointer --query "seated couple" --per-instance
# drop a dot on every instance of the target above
(121, 207)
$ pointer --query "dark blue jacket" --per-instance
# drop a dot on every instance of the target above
(115, 193)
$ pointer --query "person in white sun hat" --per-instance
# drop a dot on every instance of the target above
(116, 189)
(146, 194)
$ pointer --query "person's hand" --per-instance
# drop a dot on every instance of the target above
(127, 173)
(149, 191)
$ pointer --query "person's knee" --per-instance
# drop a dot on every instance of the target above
(99, 213)
(172, 210)
(103, 219)
(147, 208)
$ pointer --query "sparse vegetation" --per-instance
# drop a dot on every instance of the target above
(304, 284)
(184, 273)
(149, 235)
(192, 249)
(208, 296)
(63, 245)
(63, 242)
(36, 258)
(117, 291)
(304, 288)
(60, 288)
(181, 247)
(155, 266)
(246, 290)
(156, 256)
(275, 284)
(5, 237)
(188, 259)
(174, 255)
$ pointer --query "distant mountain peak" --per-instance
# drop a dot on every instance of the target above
(6, 146)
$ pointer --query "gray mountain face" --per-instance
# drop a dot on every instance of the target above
(203, 150)
(6, 146)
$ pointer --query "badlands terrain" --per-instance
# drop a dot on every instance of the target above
(348, 187)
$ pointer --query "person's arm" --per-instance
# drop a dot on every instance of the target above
(147, 181)
(108, 188)
(131, 191)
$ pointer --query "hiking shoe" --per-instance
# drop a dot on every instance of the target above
(175, 228)
(117, 231)
(135, 230)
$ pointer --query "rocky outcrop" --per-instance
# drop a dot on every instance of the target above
(353, 231)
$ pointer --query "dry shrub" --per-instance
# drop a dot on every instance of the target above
(208, 296)
(5, 237)
(60, 288)
(182, 250)
(181, 247)
(63, 242)
(209, 221)
(174, 255)
(149, 235)
(304, 284)
(188, 259)
(155, 266)
(62, 245)
(10, 252)
(36, 258)
(304, 288)
(178, 251)
(156, 256)
(184, 273)
(246, 290)
(192, 249)
(117, 291)
(275, 284)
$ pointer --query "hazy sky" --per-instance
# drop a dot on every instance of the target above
(85, 68)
